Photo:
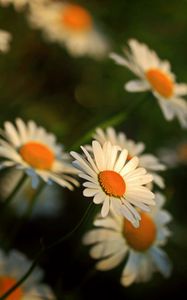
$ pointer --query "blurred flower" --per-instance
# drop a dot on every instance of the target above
(30, 148)
(147, 161)
(71, 25)
(116, 238)
(155, 75)
(49, 201)
(5, 39)
(12, 267)
(19, 4)
(113, 182)
(174, 156)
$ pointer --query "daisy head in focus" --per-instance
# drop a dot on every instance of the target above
(5, 39)
(71, 25)
(114, 182)
(114, 239)
(154, 75)
(147, 161)
(12, 267)
(32, 149)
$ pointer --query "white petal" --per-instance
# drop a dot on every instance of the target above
(121, 160)
(12, 134)
(99, 198)
(112, 261)
(106, 248)
(100, 235)
(161, 261)
(181, 89)
(105, 207)
(130, 166)
(137, 86)
(90, 192)
(130, 271)
(166, 108)
(98, 155)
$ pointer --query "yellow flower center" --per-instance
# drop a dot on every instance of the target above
(141, 238)
(76, 18)
(112, 183)
(160, 82)
(37, 155)
(5, 284)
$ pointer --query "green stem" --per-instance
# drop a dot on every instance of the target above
(43, 250)
(14, 191)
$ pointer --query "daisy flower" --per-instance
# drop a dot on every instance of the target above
(154, 75)
(113, 182)
(50, 200)
(115, 239)
(147, 161)
(5, 39)
(69, 24)
(33, 150)
(18, 4)
(12, 267)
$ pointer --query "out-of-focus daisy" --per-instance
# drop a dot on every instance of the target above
(5, 39)
(69, 24)
(147, 161)
(155, 75)
(48, 203)
(18, 4)
(115, 238)
(113, 182)
(173, 156)
(12, 267)
(30, 148)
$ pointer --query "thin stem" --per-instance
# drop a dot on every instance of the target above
(14, 191)
(43, 250)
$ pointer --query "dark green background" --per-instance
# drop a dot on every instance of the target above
(70, 96)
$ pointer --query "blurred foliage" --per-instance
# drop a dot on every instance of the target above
(70, 96)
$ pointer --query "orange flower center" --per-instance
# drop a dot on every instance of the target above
(160, 82)
(140, 238)
(76, 18)
(37, 155)
(5, 284)
(112, 183)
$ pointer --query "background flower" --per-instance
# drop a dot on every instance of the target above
(115, 238)
(12, 268)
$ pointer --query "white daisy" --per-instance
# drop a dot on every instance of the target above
(147, 161)
(12, 267)
(18, 4)
(70, 25)
(49, 202)
(155, 75)
(113, 182)
(30, 148)
(5, 39)
(115, 238)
